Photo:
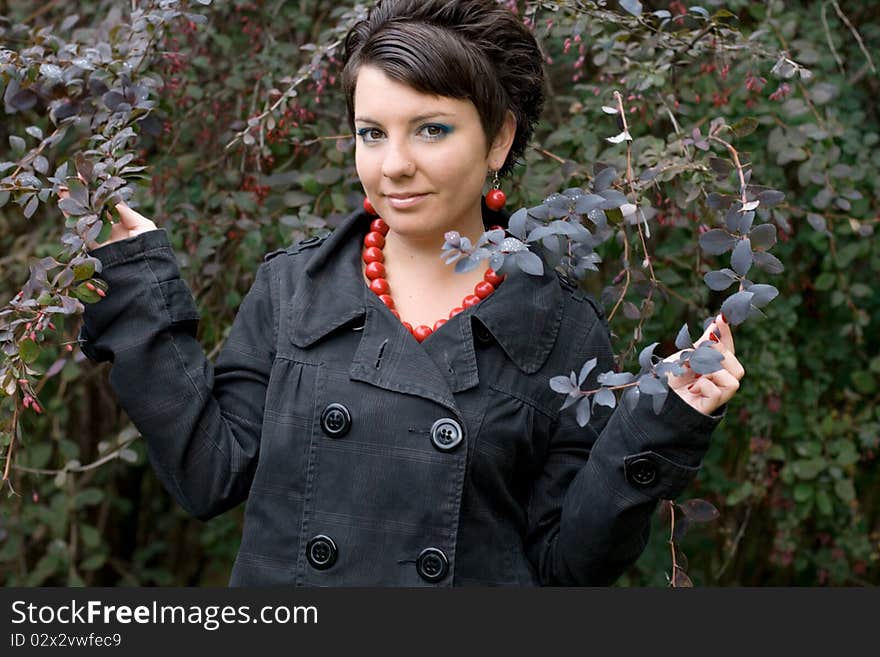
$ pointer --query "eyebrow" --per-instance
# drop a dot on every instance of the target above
(415, 119)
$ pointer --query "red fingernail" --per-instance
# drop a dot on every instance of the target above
(698, 376)
(713, 337)
(691, 386)
(724, 319)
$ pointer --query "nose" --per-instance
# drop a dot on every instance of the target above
(398, 161)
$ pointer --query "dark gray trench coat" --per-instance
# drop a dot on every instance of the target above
(368, 459)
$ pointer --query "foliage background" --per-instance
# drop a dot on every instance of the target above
(792, 469)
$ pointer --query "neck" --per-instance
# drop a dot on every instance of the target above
(422, 253)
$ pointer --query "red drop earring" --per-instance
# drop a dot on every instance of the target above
(496, 199)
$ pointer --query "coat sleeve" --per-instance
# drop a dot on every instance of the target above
(201, 422)
(591, 506)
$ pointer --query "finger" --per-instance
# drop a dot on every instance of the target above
(724, 381)
(710, 395)
(731, 363)
(707, 334)
(726, 334)
(131, 219)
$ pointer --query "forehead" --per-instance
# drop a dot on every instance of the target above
(379, 97)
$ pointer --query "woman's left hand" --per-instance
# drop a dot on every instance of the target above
(708, 392)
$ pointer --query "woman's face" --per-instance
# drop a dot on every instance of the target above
(422, 159)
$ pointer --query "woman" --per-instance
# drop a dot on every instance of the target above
(369, 453)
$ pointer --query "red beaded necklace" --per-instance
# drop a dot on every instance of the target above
(374, 259)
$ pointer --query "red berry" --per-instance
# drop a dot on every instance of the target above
(90, 286)
(422, 332)
(375, 270)
(483, 289)
(470, 300)
(379, 226)
(380, 286)
(69, 347)
(493, 278)
(439, 323)
(101, 293)
(495, 199)
(374, 239)
(455, 311)
(387, 300)
(372, 254)
(369, 207)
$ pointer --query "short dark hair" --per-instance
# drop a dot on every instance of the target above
(466, 49)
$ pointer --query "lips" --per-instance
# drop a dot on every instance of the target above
(403, 201)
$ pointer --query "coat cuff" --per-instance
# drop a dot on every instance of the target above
(650, 455)
(145, 295)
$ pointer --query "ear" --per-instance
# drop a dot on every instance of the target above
(502, 143)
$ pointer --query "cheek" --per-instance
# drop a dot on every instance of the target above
(365, 168)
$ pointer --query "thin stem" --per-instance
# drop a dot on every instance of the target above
(672, 540)
(739, 167)
(81, 468)
(11, 447)
(855, 33)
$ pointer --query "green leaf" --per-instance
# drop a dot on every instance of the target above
(845, 490)
(803, 492)
(89, 497)
(93, 562)
(90, 536)
(104, 234)
(84, 270)
(28, 350)
(84, 294)
(825, 281)
(808, 468)
(744, 127)
(864, 382)
(823, 503)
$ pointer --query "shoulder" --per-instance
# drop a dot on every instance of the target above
(578, 302)
(303, 246)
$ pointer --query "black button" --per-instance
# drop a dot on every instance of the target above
(321, 552)
(335, 420)
(641, 472)
(482, 334)
(446, 434)
(432, 565)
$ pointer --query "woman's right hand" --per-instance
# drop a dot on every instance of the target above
(130, 223)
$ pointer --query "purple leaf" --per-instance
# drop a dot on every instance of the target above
(586, 369)
(717, 241)
(763, 236)
(699, 510)
(583, 412)
(683, 339)
(741, 259)
(719, 280)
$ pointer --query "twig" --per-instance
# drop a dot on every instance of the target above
(736, 540)
(9, 451)
(632, 187)
(824, 16)
(739, 167)
(672, 540)
(626, 285)
(80, 468)
(855, 33)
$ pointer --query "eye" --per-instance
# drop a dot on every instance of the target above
(369, 135)
(435, 131)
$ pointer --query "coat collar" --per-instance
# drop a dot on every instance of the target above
(523, 316)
